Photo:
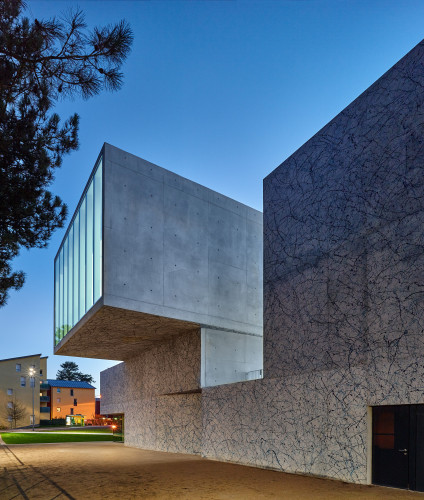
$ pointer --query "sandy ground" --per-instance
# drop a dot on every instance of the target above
(107, 470)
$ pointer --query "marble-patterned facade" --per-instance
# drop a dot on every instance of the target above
(343, 296)
(158, 391)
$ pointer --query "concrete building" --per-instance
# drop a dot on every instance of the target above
(16, 388)
(68, 398)
(343, 388)
(166, 275)
(343, 393)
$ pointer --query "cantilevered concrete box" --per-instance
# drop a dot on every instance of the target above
(174, 257)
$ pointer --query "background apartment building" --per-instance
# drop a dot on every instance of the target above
(16, 387)
(67, 398)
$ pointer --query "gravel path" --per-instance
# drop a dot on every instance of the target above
(105, 470)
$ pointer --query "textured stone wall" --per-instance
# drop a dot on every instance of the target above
(153, 389)
(344, 244)
(314, 423)
(344, 289)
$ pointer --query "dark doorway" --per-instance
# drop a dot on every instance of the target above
(398, 446)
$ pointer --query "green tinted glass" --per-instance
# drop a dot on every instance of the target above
(78, 264)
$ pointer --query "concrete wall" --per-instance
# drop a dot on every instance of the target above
(229, 357)
(344, 288)
(343, 239)
(344, 260)
(159, 393)
(176, 249)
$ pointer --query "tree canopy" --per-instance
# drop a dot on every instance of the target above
(70, 371)
(40, 62)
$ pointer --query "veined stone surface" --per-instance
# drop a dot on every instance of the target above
(344, 246)
(159, 393)
(344, 288)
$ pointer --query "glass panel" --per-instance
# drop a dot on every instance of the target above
(56, 300)
(65, 287)
(76, 270)
(70, 277)
(61, 295)
(97, 292)
(82, 261)
(78, 266)
(89, 246)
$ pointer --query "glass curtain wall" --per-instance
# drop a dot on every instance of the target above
(78, 265)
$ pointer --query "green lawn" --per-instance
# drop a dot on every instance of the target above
(106, 430)
(60, 437)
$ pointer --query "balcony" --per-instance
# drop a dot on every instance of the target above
(44, 399)
(45, 409)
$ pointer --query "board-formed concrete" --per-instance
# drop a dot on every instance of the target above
(229, 357)
(176, 249)
(177, 257)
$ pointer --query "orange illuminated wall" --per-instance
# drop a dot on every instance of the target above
(62, 402)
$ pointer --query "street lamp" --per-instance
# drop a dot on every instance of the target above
(32, 382)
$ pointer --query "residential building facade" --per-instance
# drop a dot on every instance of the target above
(68, 398)
(19, 378)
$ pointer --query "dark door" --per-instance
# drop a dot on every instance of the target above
(419, 447)
(398, 446)
(391, 445)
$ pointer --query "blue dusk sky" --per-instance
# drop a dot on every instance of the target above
(220, 92)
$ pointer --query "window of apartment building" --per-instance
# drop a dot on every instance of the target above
(58, 409)
(75, 402)
(72, 392)
(18, 367)
(58, 400)
(72, 411)
(9, 418)
(10, 404)
(9, 392)
(23, 382)
(41, 371)
(58, 389)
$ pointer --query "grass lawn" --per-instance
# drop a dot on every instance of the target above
(105, 430)
(62, 437)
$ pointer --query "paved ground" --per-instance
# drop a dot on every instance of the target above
(105, 470)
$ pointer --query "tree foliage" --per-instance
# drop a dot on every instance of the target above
(40, 62)
(70, 371)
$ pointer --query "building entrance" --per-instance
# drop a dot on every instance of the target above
(398, 446)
